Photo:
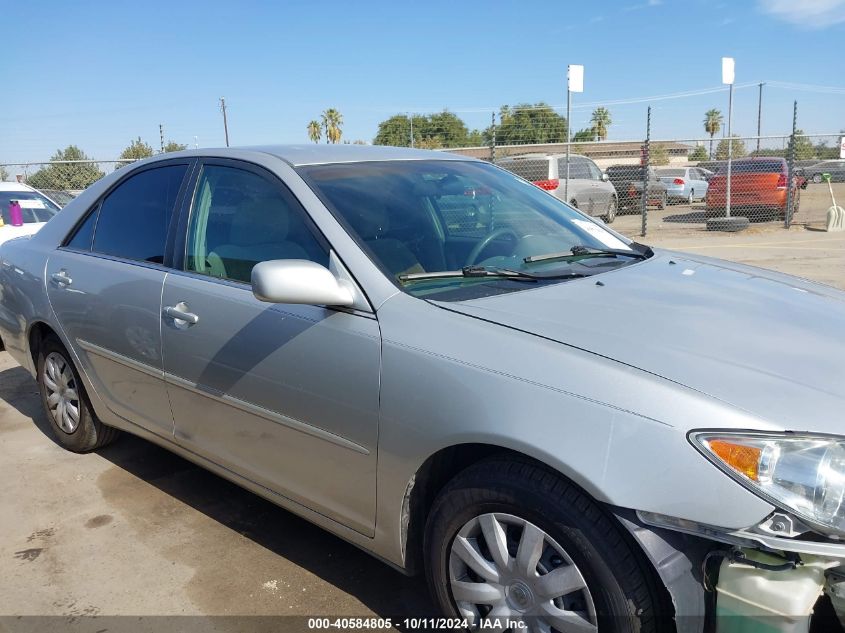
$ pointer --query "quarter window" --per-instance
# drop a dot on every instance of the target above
(81, 239)
(239, 219)
(133, 219)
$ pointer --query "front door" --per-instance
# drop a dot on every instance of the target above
(283, 395)
(104, 286)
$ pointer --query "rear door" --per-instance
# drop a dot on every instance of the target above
(285, 396)
(105, 284)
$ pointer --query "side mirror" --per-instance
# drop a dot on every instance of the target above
(604, 176)
(299, 281)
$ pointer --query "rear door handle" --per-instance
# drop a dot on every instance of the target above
(61, 278)
(179, 312)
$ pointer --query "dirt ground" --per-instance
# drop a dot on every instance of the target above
(134, 530)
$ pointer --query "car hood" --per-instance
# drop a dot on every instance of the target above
(769, 344)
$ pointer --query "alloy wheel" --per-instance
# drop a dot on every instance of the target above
(62, 395)
(506, 571)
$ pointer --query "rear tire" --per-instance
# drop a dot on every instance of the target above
(573, 203)
(65, 402)
(817, 178)
(500, 511)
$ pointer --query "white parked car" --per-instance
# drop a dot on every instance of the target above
(36, 209)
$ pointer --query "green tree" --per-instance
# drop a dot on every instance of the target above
(804, 148)
(657, 155)
(136, 150)
(527, 123)
(4, 175)
(712, 124)
(448, 126)
(698, 154)
(395, 131)
(601, 121)
(442, 129)
(332, 122)
(315, 132)
(61, 174)
(173, 146)
(737, 148)
(587, 134)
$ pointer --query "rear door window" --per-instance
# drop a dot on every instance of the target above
(134, 218)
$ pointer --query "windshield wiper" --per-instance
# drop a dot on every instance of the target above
(487, 271)
(581, 251)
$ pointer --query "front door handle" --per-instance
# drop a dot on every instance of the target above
(179, 312)
(61, 278)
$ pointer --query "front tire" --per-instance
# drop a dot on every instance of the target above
(611, 210)
(65, 402)
(513, 540)
(817, 178)
(663, 202)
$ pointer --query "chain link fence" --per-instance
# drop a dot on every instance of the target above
(641, 185)
(60, 180)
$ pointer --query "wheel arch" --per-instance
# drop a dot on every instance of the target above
(436, 472)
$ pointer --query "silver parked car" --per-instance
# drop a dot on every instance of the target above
(683, 184)
(455, 371)
(588, 190)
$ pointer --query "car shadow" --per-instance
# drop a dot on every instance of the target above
(385, 591)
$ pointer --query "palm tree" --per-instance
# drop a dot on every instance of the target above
(601, 121)
(712, 124)
(315, 132)
(333, 121)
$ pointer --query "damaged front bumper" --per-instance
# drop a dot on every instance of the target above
(771, 577)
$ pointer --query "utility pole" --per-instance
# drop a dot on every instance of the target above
(411, 119)
(196, 142)
(161, 136)
(574, 83)
(728, 72)
(225, 121)
(759, 114)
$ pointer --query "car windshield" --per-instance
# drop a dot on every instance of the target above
(672, 173)
(633, 172)
(34, 206)
(417, 218)
(754, 167)
(532, 169)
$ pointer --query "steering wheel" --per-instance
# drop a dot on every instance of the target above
(484, 243)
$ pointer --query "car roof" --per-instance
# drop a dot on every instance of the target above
(14, 186)
(541, 156)
(316, 154)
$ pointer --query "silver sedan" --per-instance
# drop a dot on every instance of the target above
(438, 361)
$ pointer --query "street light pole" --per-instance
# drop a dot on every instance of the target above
(759, 115)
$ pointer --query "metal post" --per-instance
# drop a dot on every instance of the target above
(730, 151)
(411, 119)
(759, 115)
(161, 136)
(644, 194)
(790, 166)
(225, 121)
(568, 141)
(493, 137)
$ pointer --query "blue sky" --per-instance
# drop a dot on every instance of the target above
(98, 74)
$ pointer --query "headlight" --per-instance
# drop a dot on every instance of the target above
(802, 474)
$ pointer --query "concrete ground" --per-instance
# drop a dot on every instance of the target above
(134, 530)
